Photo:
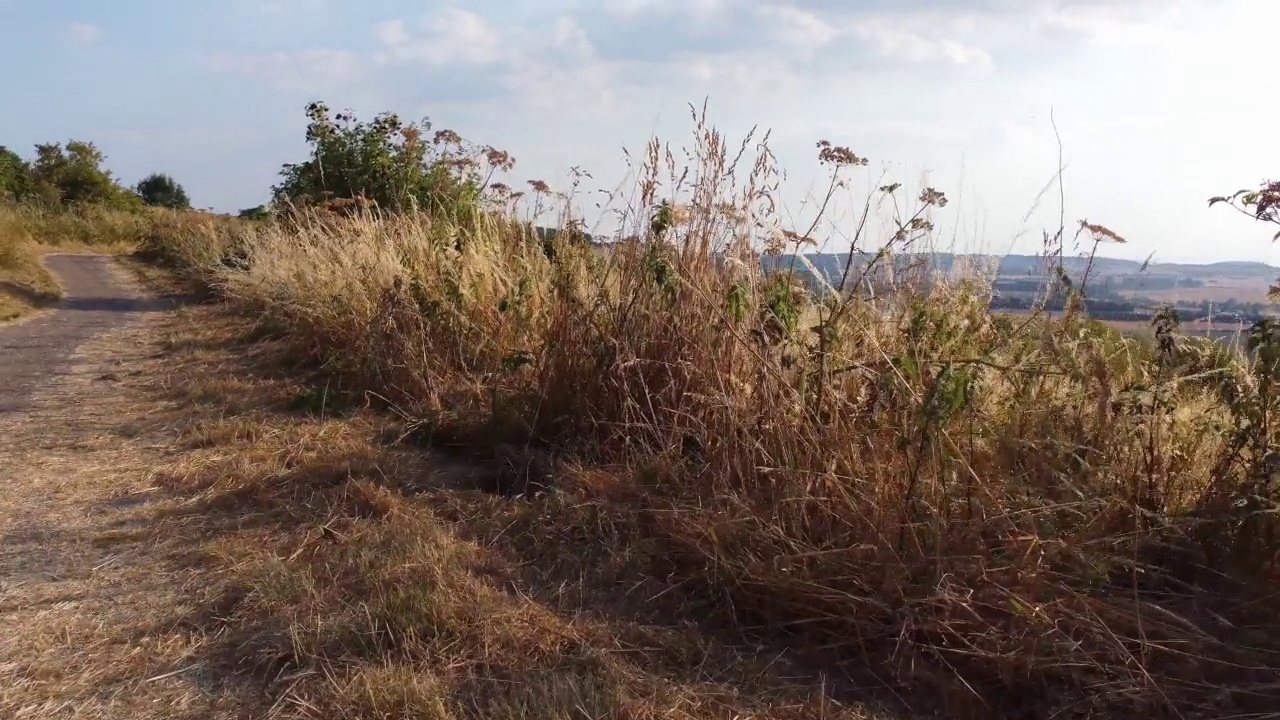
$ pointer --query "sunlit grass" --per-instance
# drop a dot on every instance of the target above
(999, 509)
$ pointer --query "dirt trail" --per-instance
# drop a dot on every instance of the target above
(89, 605)
(99, 297)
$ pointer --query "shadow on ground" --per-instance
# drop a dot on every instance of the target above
(117, 304)
(27, 295)
(310, 523)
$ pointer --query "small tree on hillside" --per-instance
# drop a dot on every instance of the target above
(16, 182)
(386, 163)
(75, 176)
(160, 190)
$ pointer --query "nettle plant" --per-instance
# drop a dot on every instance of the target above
(1261, 204)
(1253, 399)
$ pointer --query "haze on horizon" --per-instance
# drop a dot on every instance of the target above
(1155, 101)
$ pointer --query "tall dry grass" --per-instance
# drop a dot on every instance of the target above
(1005, 512)
(84, 227)
(24, 283)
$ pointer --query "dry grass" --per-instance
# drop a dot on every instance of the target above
(350, 576)
(29, 232)
(1231, 333)
(80, 229)
(88, 589)
(24, 283)
(991, 516)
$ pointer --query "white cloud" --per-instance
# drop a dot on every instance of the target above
(1121, 24)
(801, 28)
(701, 11)
(82, 33)
(459, 35)
(569, 36)
(582, 89)
(900, 43)
(302, 70)
(450, 36)
(392, 33)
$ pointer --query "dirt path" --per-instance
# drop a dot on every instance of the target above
(99, 297)
(88, 608)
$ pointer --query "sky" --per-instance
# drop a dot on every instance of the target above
(1158, 103)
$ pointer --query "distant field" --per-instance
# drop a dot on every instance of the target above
(1243, 290)
(1228, 333)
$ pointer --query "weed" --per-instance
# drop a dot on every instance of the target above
(1003, 513)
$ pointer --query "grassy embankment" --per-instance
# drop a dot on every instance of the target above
(913, 493)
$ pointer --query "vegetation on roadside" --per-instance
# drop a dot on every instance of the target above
(24, 283)
(1013, 514)
(895, 488)
(29, 230)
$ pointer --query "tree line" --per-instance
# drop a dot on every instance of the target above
(74, 175)
(385, 162)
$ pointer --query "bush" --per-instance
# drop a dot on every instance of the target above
(386, 164)
(160, 190)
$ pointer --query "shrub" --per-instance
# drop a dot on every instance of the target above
(387, 164)
(160, 190)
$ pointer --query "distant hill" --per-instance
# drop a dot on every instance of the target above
(832, 265)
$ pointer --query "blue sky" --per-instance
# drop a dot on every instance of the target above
(1154, 99)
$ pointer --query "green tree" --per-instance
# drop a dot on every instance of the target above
(386, 163)
(16, 182)
(160, 190)
(75, 176)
